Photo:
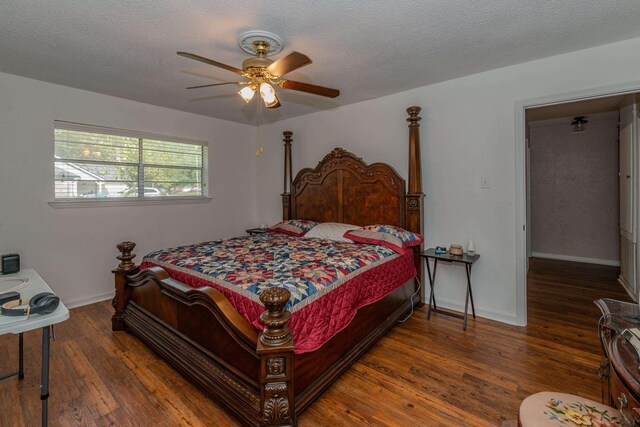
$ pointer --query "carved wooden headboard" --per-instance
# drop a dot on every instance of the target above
(343, 188)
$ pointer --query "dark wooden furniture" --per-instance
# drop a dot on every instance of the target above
(256, 375)
(255, 231)
(464, 259)
(620, 371)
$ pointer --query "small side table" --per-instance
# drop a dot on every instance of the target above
(255, 231)
(447, 257)
(19, 325)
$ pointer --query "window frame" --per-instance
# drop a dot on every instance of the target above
(63, 202)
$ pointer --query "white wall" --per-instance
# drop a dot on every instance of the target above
(74, 249)
(468, 131)
(575, 206)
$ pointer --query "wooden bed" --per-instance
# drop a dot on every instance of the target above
(256, 375)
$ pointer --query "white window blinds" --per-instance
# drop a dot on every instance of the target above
(103, 163)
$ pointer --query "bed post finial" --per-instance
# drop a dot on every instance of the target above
(126, 257)
(125, 267)
(413, 115)
(415, 197)
(275, 318)
(275, 348)
(286, 194)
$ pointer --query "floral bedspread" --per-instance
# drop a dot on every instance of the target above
(241, 268)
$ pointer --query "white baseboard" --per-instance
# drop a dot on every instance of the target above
(509, 318)
(89, 300)
(611, 262)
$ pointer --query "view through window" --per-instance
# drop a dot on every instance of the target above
(101, 163)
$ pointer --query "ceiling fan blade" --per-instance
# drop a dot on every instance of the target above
(291, 62)
(309, 88)
(211, 62)
(215, 84)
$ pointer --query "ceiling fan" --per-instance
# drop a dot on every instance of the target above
(262, 73)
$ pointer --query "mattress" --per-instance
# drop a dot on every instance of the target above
(329, 281)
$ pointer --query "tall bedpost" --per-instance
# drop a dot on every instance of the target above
(415, 197)
(275, 348)
(286, 194)
(126, 267)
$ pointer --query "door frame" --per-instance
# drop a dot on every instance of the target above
(521, 179)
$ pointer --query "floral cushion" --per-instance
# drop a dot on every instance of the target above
(395, 238)
(294, 227)
(547, 409)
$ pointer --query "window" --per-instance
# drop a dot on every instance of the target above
(103, 163)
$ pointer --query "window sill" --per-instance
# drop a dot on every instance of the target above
(95, 203)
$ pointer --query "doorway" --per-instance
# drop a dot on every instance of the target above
(576, 185)
(573, 190)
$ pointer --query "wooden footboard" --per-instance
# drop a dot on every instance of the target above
(200, 334)
(252, 374)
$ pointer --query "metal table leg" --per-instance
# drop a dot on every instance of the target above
(44, 388)
(435, 267)
(466, 306)
(469, 297)
(473, 309)
(21, 356)
(432, 279)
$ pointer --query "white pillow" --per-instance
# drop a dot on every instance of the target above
(331, 231)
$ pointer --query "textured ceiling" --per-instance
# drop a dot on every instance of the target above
(365, 48)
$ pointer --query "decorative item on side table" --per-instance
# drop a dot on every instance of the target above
(455, 250)
(471, 248)
(465, 259)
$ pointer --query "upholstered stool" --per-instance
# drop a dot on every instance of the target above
(549, 409)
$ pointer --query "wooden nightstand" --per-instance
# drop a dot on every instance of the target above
(255, 231)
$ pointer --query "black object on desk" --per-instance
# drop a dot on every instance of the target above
(447, 257)
(10, 263)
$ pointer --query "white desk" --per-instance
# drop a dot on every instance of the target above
(19, 325)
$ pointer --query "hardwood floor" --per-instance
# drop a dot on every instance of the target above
(422, 373)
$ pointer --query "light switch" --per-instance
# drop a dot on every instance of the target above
(484, 182)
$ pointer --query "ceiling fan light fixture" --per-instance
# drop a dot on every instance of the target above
(578, 123)
(268, 94)
(262, 73)
(247, 93)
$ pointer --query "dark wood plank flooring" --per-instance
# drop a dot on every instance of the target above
(421, 373)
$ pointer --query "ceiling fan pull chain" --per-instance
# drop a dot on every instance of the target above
(259, 147)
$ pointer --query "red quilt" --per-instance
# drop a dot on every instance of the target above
(329, 281)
